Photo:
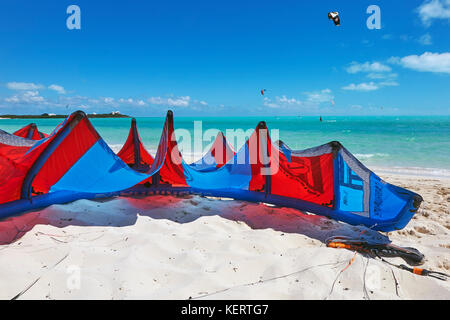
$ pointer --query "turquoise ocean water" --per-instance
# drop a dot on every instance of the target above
(401, 143)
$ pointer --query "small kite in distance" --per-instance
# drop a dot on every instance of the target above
(262, 91)
(335, 17)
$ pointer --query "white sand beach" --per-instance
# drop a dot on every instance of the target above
(164, 247)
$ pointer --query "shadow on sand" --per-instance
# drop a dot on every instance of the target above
(120, 212)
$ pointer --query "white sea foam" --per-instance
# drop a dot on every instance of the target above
(363, 156)
(413, 171)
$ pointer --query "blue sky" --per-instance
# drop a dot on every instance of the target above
(214, 57)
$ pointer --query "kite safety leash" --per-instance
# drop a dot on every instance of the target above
(377, 250)
(424, 272)
(419, 271)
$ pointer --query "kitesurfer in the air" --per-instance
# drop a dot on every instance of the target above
(335, 17)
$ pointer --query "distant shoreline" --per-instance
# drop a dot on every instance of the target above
(60, 116)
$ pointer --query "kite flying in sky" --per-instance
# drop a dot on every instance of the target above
(335, 17)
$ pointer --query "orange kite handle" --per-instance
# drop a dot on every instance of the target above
(338, 245)
(418, 271)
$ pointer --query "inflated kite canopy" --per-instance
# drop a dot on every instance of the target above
(30, 132)
(220, 153)
(133, 152)
(75, 163)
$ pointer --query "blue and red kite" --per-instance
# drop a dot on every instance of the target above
(74, 162)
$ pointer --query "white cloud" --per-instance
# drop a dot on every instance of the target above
(72, 100)
(269, 103)
(93, 101)
(282, 102)
(382, 75)
(182, 101)
(101, 102)
(434, 9)
(33, 96)
(373, 70)
(312, 101)
(23, 86)
(13, 99)
(157, 100)
(388, 83)
(108, 100)
(371, 86)
(57, 88)
(425, 39)
(26, 97)
(129, 101)
(320, 96)
(356, 67)
(28, 86)
(406, 37)
(33, 99)
(427, 62)
(291, 101)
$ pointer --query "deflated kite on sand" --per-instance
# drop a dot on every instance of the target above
(74, 162)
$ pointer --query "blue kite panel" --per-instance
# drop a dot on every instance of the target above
(385, 201)
(99, 170)
(206, 163)
(351, 192)
(234, 174)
